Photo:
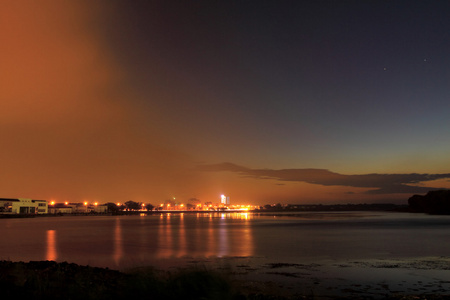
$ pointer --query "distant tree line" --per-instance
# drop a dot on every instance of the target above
(334, 207)
(129, 206)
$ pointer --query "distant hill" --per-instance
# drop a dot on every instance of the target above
(434, 202)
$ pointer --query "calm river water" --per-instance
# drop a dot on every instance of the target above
(122, 241)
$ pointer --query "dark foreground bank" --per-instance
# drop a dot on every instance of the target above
(51, 280)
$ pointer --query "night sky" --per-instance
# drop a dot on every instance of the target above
(264, 101)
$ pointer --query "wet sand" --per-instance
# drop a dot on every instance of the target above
(414, 278)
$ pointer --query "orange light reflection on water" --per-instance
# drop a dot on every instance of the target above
(182, 250)
(52, 253)
(118, 242)
(201, 235)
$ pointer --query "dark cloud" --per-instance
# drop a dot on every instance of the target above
(379, 183)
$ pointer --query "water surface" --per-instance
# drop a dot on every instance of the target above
(121, 241)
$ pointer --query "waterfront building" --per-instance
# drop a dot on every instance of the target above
(69, 208)
(60, 208)
(23, 206)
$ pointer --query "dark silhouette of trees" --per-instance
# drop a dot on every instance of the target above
(131, 205)
(434, 202)
(268, 207)
(190, 206)
(128, 206)
(112, 207)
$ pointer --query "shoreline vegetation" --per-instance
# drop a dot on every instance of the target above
(61, 280)
(52, 280)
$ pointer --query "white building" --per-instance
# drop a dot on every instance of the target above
(225, 200)
(23, 206)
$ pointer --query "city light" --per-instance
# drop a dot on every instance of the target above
(222, 204)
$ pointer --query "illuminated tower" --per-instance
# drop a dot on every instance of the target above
(225, 200)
